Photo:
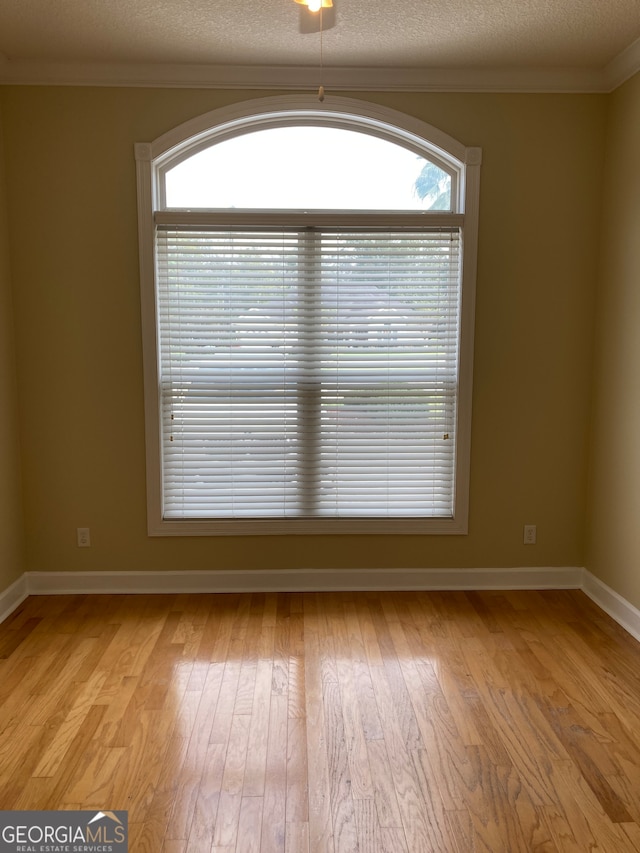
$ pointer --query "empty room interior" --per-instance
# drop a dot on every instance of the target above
(319, 507)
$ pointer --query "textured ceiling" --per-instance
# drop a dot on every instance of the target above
(417, 34)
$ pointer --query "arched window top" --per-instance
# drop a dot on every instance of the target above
(289, 153)
(309, 166)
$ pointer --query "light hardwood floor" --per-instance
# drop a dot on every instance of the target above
(328, 723)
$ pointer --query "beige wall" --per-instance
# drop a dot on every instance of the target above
(613, 539)
(11, 526)
(72, 207)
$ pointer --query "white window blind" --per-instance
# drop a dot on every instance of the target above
(308, 372)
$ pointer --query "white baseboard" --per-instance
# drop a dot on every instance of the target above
(607, 599)
(13, 596)
(302, 580)
(318, 580)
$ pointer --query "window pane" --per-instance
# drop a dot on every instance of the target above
(308, 168)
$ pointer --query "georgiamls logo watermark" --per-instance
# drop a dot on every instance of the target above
(63, 832)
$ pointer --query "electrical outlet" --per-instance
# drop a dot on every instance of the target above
(529, 534)
(84, 537)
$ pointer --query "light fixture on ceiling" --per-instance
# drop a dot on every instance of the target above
(316, 5)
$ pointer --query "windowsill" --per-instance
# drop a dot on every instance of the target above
(308, 526)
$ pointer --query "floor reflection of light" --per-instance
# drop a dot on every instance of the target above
(295, 686)
(188, 691)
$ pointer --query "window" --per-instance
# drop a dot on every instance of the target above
(307, 286)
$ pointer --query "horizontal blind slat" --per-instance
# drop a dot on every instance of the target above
(308, 373)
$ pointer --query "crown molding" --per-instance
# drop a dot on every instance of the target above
(624, 66)
(299, 78)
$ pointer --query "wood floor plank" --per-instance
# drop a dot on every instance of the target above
(194, 762)
(230, 801)
(632, 836)
(493, 817)
(533, 829)
(297, 838)
(140, 772)
(526, 754)
(432, 802)
(362, 685)
(95, 777)
(173, 846)
(59, 686)
(341, 801)
(274, 814)
(155, 820)
(321, 839)
(328, 723)
(246, 688)
(402, 769)
(626, 755)
(13, 639)
(115, 697)
(369, 831)
(569, 827)
(460, 831)
(295, 675)
(207, 799)
(254, 782)
(465, 703)
(80, 755)
(608, 834)
(443, 746)
(588, 755)
(297, 771)
(357, 755)
(405, 714)
(368, 634)
(384, 790)
(249, 825)
(55, 753)
(225, 620)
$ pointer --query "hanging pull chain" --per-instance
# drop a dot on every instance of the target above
(321, 89)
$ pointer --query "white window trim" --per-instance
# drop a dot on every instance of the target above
(184, 141)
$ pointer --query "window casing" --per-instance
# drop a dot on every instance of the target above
(307, 371)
